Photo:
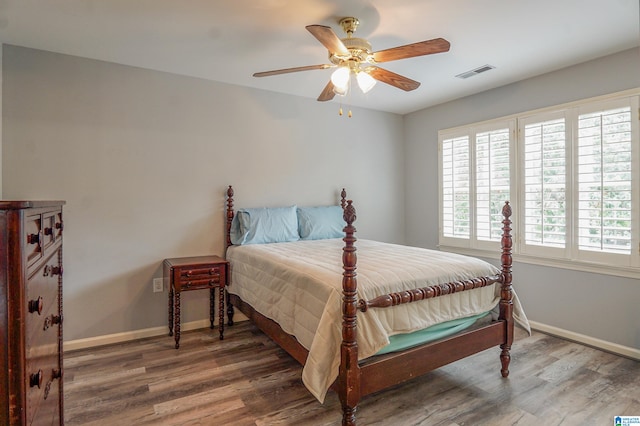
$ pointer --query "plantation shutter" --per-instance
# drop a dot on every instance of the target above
(455, 174)
(544, 181)
(492, 182)
(605, 181)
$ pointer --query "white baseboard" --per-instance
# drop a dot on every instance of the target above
(615, 348)
(126, 336)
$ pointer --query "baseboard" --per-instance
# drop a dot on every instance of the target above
(108, 339)
(615, 348)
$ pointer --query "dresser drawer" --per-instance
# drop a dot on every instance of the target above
(44, 377)
(34, 236)
(51, 229)
(43, 317)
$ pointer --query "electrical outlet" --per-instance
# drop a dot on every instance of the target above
(157, 285)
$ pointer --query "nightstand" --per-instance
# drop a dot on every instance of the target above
(195, 273)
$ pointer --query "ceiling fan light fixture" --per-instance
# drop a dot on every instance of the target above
(340, 80)
(365, 81)
(340, 90)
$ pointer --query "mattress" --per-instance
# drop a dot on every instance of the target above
(299, 285)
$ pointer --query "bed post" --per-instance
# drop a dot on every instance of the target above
(230, 214)
(506, 293)
(349, 373)
(343, 198)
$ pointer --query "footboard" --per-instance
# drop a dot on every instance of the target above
(355, 381)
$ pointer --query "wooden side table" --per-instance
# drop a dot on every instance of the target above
(195, 273)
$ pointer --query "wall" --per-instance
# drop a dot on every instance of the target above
(600, 306)
(143, 159)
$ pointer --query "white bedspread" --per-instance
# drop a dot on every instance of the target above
(299, 285)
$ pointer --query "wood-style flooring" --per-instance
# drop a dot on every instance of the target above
(247, 380)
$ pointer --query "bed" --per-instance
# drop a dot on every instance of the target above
(361, 323)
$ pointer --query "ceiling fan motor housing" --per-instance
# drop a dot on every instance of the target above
(359, 50)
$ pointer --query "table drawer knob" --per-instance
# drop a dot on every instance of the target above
(36, 305)
(35, 379)
(188, 284)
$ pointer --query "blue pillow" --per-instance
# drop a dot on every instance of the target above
(318, 223)
(264, 225)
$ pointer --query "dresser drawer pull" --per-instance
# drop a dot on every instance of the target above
(213, 271)
(47, 389)
(36, 305)
(52, 320)
(52, 270)
(60, 226)
(56, 373)
(34, 238)
(48, 231)
(188, 273)
(188, 284)
(36, 379)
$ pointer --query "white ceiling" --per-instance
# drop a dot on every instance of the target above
(229, 40)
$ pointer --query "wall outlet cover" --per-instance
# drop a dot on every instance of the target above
(157, 285)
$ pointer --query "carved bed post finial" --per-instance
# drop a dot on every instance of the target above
(343, 198)
(230, 214)
(506, 292)
(349, 373)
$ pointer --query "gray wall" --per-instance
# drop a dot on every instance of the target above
(600, 306)
(143, 159)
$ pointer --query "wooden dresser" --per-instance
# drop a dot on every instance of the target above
(31, 313)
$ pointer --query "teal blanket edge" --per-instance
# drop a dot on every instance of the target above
(400, 342)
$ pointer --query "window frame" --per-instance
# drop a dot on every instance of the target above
(569, 257)
(471, 132)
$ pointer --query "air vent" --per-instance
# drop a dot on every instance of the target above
(476, 71)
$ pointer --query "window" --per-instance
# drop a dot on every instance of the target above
(455, 187)
(575, 187)
(544, 184)
(605, 179)
(472, 214)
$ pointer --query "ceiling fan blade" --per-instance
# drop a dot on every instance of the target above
(328, 38)
(428, 47)
(327, 93)
(296, 69)
(393, 79)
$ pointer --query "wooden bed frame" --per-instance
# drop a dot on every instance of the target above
(359, 378)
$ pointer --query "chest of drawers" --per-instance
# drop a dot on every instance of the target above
(31, 313)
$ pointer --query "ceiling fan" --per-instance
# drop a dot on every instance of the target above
(353, 56)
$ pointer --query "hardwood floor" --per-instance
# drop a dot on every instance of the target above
(247, 380)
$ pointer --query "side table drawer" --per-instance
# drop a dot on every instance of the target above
(189, 284)
(204, 276)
